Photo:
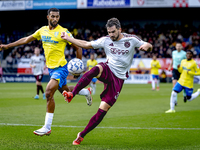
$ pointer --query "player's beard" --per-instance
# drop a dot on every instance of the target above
(115, 38)
(53, 24)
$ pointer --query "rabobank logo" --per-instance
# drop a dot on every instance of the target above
(108, 3)
(29, 4)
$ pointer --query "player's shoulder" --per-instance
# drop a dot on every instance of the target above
(193, 61)
(157, 61)
(183, 51)
(33, 57)
(174, 51)
(41, 56)
(63, 28)
(184, 60)
(103, 39)
(43, 28)
(131, 36)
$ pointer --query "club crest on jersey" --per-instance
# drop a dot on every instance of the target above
(127, 44)
(56, 34)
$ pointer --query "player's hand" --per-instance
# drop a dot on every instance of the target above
(33, 66)
(169, 69)
(45, 67)
(3, 47)
(146, 47)
(64, 35)
(178, 66)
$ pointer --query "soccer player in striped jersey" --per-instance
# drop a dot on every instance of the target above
(188, 70)
(54, 47)
(155, 65)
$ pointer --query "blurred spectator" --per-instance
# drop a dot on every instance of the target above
(9, 60)
(163, 77)
(138, 71)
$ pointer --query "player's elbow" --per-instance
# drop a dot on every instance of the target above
(87, 45)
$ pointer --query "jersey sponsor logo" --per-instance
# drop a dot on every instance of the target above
(47, 39)
(184, 68)
(118, 51)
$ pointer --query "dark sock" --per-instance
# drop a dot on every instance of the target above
(38, 88)
(85, 79)
(94, 121)
(41, 88)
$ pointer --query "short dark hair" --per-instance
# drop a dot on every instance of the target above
(190, 52)
(53, 9)
(113, 22)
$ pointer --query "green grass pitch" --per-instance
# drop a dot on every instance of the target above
(136, 122)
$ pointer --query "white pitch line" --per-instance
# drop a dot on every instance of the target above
(132, 128)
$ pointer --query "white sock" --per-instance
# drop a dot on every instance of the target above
(157, 83)
(153, 84)
(48, 120)
(172, 100)
(83, 92)
(94, 89)
(176, 100)
(194, 95)
(92, 85)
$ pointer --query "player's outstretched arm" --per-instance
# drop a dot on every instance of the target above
(80, 43)
(146, 47)
(78, 51)
(21, 41)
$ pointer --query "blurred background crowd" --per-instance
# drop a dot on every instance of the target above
(163, 37)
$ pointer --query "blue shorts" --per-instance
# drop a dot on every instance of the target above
(94, 80)
(155, 76)
(178, 88)
(60, 74)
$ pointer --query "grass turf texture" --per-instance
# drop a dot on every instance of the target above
(136, 121)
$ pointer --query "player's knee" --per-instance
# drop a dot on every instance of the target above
(48, 94)
(174, 93)
(100, 70)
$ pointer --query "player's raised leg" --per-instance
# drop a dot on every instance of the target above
(193, 96)
(50, 90)
(84, 81)
(85, 92)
